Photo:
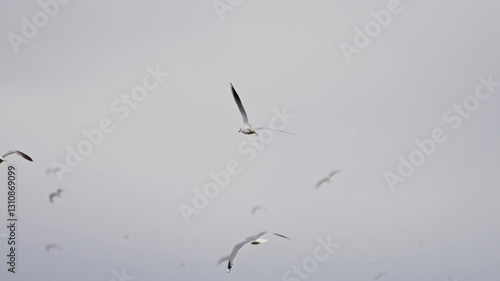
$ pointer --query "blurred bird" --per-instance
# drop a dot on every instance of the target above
(22, 154)
(57, 193)
(328, 179)
(52, 170)
(258, 208)
(253, 240)
(380, 275)
(49, 247)
(222, 260)
(247, 128)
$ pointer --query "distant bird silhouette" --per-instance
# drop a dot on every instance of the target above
(258, 208)
(327, 179)
(51, 246)
(52, 170)
(22, 154)
(253, 240)
(57, 193)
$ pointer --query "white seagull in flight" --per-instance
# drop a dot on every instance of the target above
(327, 179)
(254, 240)
(247, 129)
(22, 154)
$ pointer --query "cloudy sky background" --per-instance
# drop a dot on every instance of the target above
(358, 117)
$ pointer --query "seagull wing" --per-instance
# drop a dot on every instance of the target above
(333, 173)
(51, 197)
(322, 182)
(275, 130)
(222, 260)
(240, 105)
(283, 236)
(22, 154)
(235, 251)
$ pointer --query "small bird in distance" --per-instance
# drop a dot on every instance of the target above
(258, 208)
(56, 193)
(51, 246)
(22, 154)
(247, 129)
(52, 170)
(327, 179)
(253, 240)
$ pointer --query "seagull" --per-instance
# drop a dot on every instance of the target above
(247, 129)
(22, 154)
(327, 179)
(57, 193)
(254, 240)
(49, 247)
(257, 208)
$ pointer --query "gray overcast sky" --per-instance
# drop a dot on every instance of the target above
(358, 117)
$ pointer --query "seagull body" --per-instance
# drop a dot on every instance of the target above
(247, 129)
(57, 193)
(22, 154)
(253, 240)
(328, 179)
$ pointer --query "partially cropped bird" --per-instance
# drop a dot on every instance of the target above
(22, 154)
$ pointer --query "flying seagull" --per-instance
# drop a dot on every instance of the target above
(257, 208)
(254, 240)
(327, 179)
(49, 247)
(56, 193)
(247, 129)
(22, 154)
